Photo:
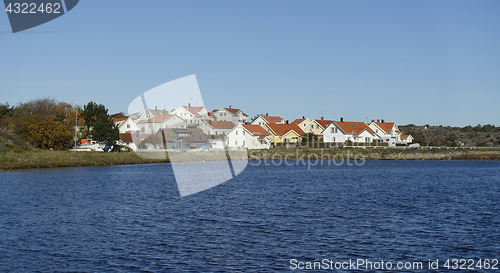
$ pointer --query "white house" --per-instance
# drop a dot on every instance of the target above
(343, 131)
(386, 131)
(152, 125)
(234, 115)
(194, 115)
(127, 126)
(264, 120)
(216, 128)
(248, 136)
(405, 139)
(149, 113)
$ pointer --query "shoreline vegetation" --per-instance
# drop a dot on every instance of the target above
(38, 159)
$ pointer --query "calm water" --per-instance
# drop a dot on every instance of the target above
(132, 219)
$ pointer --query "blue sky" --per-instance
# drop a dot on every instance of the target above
(435, 62)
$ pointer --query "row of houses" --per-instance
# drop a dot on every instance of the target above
(188, 127)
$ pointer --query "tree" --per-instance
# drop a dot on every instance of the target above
(46, 123)
(6, 112)
(99, 124)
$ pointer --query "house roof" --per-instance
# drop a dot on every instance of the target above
(323, 122)
(404, 136)
(255, 130)
(261, 137)
(126, 137)
(386, 126)
(221, 124)
(158, 112)
(195, 135)
(233, 111)
(195, 110)
(158, 118)
(353, 128)
(272, 119)
(298, 121)
(115, 120)
(283, 129)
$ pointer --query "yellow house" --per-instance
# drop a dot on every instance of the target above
(314, 126)
(284, 133)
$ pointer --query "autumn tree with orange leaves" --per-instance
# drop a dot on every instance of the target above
(46, 123)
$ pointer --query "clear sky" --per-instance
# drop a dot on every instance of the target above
(435, 62)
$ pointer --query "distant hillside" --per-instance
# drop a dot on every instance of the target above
(481, 136)
(10, 141)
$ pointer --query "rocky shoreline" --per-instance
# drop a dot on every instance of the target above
(56, 159)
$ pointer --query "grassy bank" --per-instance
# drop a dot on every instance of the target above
(34, 159)
(51, 159)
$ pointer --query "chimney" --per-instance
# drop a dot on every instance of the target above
(287, 121)
(156, 108)
(341, 119)
(229, 106)
(189, 104)
(373, 120)
(382, 121)
(303, 117)
(322, 118)
(378, 120)
(267, 114)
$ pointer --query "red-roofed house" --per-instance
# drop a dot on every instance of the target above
(343, 131)
(234, 115)
(284, 133)
(263, 120)
(405, 139)
(386, 131)
(216, 128)
(248, 136)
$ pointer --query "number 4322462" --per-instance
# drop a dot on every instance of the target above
(33, 8)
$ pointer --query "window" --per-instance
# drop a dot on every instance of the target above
(128, 126)
(236, 142)
(243, 143)
(243, 134)
(333, 130)
(334, 139)
(236, 132)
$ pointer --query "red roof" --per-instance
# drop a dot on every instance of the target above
(126, 137)
(404, 136)
(261, 137)
(115, 120)
(282, 129)
(323, 122)
(158, 118)
(386, 126)
(255, 130)
(233, 111)
(272, 119)
(221, 124)
(195, 110)
(298, 121)
(353, 128)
